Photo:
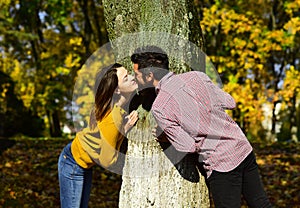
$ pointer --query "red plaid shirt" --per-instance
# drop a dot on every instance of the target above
(190, 109)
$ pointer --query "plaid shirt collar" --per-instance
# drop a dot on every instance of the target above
(163, 80)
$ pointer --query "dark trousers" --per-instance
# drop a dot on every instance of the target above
(227, 187)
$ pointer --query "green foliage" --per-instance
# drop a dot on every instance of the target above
(253, 44)
(14, 116)
(43, 44)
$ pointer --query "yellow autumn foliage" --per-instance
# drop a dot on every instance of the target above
(4, 2)
(293, 26)
(72, 61)
(292, 7)
(28, 96)
(249, 100)
(75, 41)
(291, 85)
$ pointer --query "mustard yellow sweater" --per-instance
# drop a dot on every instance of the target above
(100, 145)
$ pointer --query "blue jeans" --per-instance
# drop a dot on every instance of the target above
(75, 182)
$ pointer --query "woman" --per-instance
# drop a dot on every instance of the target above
(99, 143)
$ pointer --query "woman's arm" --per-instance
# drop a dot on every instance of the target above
(112, 134)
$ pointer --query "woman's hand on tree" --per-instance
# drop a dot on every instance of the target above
(131, 119)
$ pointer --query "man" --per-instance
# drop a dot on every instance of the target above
(189, 108)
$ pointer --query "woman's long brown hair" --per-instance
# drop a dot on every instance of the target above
(105, 86)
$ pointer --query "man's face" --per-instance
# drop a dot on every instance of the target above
(139, 77)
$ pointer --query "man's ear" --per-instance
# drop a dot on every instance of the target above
(150, 77)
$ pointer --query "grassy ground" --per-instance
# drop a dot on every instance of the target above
(28, 176)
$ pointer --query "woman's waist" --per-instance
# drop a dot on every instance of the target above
(80, 155)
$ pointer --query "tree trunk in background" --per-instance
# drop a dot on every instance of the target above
(54, 123)
(150, 179)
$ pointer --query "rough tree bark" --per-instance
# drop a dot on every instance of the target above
(153, 177)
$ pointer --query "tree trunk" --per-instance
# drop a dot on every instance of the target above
(54, 123)
(154, 174)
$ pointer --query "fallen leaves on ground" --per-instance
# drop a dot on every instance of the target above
(28, 176)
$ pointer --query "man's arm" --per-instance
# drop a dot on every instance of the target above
(178, 137)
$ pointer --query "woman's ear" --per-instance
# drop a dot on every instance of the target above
(117, 91)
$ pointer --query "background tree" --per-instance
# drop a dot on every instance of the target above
(43, 44)
(253, 45)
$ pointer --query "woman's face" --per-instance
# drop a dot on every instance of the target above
(126, 83)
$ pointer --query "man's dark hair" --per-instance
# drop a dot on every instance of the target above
(151, 59)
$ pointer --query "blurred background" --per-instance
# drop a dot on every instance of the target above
(254, 45)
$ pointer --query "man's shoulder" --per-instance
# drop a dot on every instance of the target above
(189, 77)
(191, 74)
